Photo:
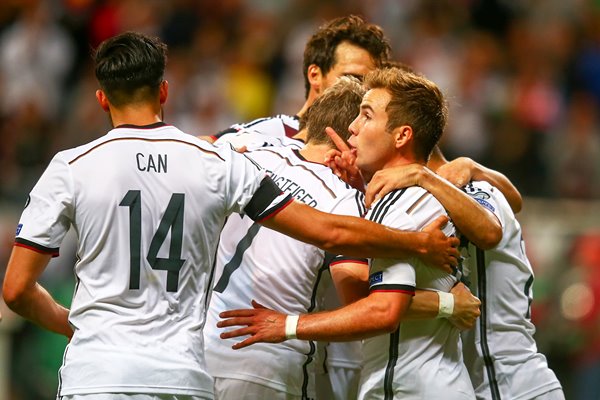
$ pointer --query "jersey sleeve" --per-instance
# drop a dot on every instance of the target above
(251, 191)
(48, 211)
(483, 193)
(392, 275)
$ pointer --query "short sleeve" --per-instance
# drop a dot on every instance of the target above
(483, 193)
(250, 190)
(48, 211)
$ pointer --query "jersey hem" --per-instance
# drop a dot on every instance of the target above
(259, 380)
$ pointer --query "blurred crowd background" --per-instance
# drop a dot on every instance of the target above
(522, 79)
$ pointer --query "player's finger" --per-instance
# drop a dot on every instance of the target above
(234, 319)
(236, 333)
(256, 304)
(373, 191)
(244, 343)
(438, 223)
(337, 140)
(242, 312)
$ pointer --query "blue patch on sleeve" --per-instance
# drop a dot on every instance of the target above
(377, 277)
(486, 204)
(18, 229)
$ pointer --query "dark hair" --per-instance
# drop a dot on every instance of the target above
(130, 67)
(320, 48)
(336, 107)
(415, 101)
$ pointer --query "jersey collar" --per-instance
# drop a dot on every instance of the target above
(151, 126)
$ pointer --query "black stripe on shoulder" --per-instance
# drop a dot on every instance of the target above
(256, 121)
(36, 247)
(384, 205)
(224, 132)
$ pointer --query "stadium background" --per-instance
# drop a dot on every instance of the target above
(522, 79)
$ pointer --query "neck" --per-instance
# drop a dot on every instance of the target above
(315, 152)
(312, 96)
(138, 114)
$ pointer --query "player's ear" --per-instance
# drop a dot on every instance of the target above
(163, 91)
(315, 76)
(102, 99)
(402, 135)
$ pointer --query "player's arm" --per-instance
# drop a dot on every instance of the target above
(479, 225)
(463, 170)
(378, 313)
(461, 309)
(26, 297)
(361, 238)
(351, 280)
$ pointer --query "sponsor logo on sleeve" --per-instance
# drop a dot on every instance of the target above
(19, 227)
(485, 204)
(376, 278)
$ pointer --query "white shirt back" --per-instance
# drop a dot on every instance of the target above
(148, 205)
(277, 271)
(500, 353)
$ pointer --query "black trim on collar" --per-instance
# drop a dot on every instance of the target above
(151, 126)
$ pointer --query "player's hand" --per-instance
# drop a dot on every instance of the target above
(343, 161)
(441, 250)
(261, 323)
(389, 179)
(458, 171)
(466, 308)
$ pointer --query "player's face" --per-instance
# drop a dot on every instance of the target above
(350, 60)
(373, 145)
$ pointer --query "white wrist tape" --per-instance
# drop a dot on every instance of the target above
(291, 323)
(446, 305)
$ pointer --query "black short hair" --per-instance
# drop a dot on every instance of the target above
(320, 48)
(130, 67)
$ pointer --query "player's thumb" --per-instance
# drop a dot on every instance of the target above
(438, 223)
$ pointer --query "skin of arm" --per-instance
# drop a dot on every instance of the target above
(463, 169)
(28, 298)
(351, 281)
(425, 305)
(479, 225)
(376, 314)
(354, 236)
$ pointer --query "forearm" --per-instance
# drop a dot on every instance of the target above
(501, 182)
(479, 225)
(424, 305)
(38, 306)
(362, 319)
(351, 236)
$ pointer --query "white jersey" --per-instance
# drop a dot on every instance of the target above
(277, 126)
(277, 271)
(253, 140)
(501, 353)
(148, 204)
(422, 359)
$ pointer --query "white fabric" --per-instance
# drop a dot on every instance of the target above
(117, 191)
(129, 396)
(277, 271)
(422, 359)
(502, 278)
(229, 389)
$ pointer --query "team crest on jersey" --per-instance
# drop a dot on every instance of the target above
(19, 227)
(377, 277)
(485, 203)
